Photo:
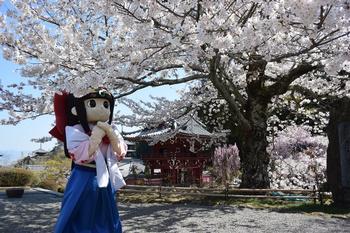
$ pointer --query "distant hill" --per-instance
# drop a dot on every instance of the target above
(39, 158)
(11, 156)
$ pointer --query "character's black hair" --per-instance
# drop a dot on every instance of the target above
(81, 117)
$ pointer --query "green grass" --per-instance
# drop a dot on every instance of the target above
(282, 206)
(154, 198)
(329, 209)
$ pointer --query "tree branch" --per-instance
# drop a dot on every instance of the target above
(162, 82)
(321, 41)
(12, 121)
(126, 11)
(222, 89)
(154, 71)
(198, 11)
(130, 92)
(232, 87)
(155, 52)
(169, 10)
(323, 15)
(282, 84)
(244, 19)
(323, 99)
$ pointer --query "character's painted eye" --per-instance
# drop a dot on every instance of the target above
(106, 104)
(92, 103)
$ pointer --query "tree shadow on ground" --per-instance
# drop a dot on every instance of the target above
(164, 217)
(333, 218)
(145, 217)
(34, 212)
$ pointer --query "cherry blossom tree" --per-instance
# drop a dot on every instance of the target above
(298, 159)
(238, 55)
(226, 163)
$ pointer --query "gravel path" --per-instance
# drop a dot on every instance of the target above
(195, 218)
(37, 212)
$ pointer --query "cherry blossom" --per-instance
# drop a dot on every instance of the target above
(298, 159)
(236, 56)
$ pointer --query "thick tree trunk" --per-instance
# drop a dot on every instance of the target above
(252, 145)
(253, 139)
(336, 171)
(254, 163)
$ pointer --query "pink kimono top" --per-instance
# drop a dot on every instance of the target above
(105, 158)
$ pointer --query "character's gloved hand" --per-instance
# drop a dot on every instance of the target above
(114, 137)
(95, 139)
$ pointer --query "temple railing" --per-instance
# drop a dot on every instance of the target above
(230, 192)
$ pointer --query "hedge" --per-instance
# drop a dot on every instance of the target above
(15, 177)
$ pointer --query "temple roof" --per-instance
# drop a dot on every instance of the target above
(40, 151)
(186, 127)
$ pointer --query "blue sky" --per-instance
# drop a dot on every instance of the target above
(18, 137)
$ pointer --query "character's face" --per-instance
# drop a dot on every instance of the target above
(97, 109)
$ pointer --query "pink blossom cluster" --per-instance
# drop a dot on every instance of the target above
(226, 163)
(298, 159)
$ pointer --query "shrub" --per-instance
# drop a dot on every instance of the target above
(57, 170)
(15, 177)
(37, 178)
(48, 184)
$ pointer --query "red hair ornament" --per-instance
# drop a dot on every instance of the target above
(60, 105)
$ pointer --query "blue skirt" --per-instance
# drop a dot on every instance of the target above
(86, 208)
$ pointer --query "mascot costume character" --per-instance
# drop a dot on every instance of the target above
(83, 124)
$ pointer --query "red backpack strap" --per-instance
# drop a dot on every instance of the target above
(60, 108)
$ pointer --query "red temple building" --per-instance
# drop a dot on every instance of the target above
(176, 153)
